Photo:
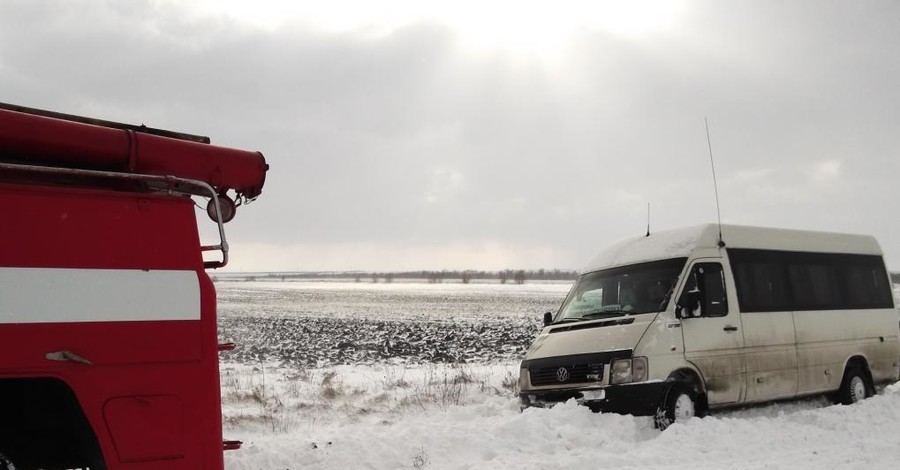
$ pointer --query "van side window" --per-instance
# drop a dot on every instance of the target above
(711, 281)
(761, 284)
(815, 285)
(867, 284)
(770, 280)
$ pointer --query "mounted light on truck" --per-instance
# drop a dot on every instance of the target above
(227, 206)
(628, 370)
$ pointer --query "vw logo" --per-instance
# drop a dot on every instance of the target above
(562, 374)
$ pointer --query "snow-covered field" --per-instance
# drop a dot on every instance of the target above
(314, 324)
(365, 409)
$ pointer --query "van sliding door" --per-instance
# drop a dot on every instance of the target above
(769, 333)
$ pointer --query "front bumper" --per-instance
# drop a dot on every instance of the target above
(639, 399)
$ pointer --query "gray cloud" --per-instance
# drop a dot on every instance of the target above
(408, 140)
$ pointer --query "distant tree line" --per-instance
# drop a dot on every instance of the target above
(519, 276)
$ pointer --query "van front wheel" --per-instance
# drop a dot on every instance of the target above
(679, 405)
(855, 386)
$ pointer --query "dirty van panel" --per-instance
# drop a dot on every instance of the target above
(771, 355)
(712, 336)
(826, 339)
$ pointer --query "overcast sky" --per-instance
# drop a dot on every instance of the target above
(489, 135)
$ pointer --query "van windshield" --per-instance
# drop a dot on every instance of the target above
(638, 288)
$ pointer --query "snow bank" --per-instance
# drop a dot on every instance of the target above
(485, 430)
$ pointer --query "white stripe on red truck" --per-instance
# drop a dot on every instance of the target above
(53, 295)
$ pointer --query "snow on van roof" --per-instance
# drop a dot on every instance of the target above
(660, 245)
(681, 242)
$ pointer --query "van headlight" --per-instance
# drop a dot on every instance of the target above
(629, 370)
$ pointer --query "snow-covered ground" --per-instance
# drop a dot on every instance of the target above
(466, 417)
(408, 412)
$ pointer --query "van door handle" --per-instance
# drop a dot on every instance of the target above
(730, 328)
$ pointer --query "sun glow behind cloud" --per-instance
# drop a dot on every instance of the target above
(544, 28)
(534, 27)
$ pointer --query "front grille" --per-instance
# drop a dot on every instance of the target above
(579, 368)
(575, 373)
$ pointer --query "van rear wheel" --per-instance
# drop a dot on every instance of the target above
(679, 405)
(855, 386)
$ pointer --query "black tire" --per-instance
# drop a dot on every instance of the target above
(855, 386)
(679, 404)
(6, 464)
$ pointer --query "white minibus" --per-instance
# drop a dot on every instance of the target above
(680, 322)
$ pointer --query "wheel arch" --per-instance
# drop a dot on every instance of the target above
(691, 377)
(44, 425)
(861, 361)
(688, 375)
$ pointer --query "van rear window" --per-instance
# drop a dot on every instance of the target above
(769, 280)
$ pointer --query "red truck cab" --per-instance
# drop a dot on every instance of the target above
(108, 336)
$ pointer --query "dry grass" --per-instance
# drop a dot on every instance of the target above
(331, 389)
(280, 400)
(510, 382)
(420, 460)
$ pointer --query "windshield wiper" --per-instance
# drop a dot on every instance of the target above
(610, 313)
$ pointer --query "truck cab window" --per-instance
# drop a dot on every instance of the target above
(705, 288)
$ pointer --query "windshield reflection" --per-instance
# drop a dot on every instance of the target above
(634, 289)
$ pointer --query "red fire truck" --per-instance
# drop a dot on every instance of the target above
(108, 341)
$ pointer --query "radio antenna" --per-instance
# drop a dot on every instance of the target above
(712, 165)
(648, 219)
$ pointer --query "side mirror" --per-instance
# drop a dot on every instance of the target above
(689, 305)
(548, 318)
